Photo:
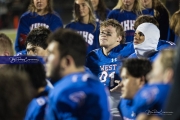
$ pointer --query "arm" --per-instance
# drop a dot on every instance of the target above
(22, 31)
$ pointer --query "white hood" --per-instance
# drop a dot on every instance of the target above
(152, 35)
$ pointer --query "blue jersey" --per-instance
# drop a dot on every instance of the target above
(89, 32)
(78, 96)
(162, 44)
(106, 68)
(21, 53)
(31, 20)
(151, 99)
(127, 20)
(98, 17)
(125, 109)
(36, 108)
(151, 57)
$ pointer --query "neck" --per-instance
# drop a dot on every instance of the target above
(106, 50)
(85, 19)
(129, 8)
(41, 12)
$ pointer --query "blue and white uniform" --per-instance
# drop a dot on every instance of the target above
(78, 96)
(89, 32)
(31, 20)
(127, 20)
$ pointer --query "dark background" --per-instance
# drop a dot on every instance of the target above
(11, 10)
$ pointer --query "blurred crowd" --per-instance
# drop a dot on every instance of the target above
(11, 10)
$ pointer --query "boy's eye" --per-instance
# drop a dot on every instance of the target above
(140, 34)
(105, 33)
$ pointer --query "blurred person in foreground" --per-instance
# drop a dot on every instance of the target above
(76, 94)
(133, 74)
(173, 100)
(37, 75)
(16, 92)
(150, 100)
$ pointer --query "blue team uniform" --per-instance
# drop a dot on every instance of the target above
(31, 20)
(151, 56)
(106, 68)
(78, 96)
(125, 109)
(127, 20)
(97, 16)
(163, 44)
(88, 31)
(21, 53)
(36, 108)
(151, 98)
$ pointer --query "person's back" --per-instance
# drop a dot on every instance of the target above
(79, 96)
(151, 97)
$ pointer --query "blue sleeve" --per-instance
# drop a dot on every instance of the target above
(128, 49)
(22, 31)
(88, 70)
(21, 53)
(162, 44)
(133, 56)
(92, 64)
(145, 99)
(56, 23)
(36, 109)
(111, 15)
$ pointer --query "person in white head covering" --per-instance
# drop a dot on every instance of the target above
(146, 39)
